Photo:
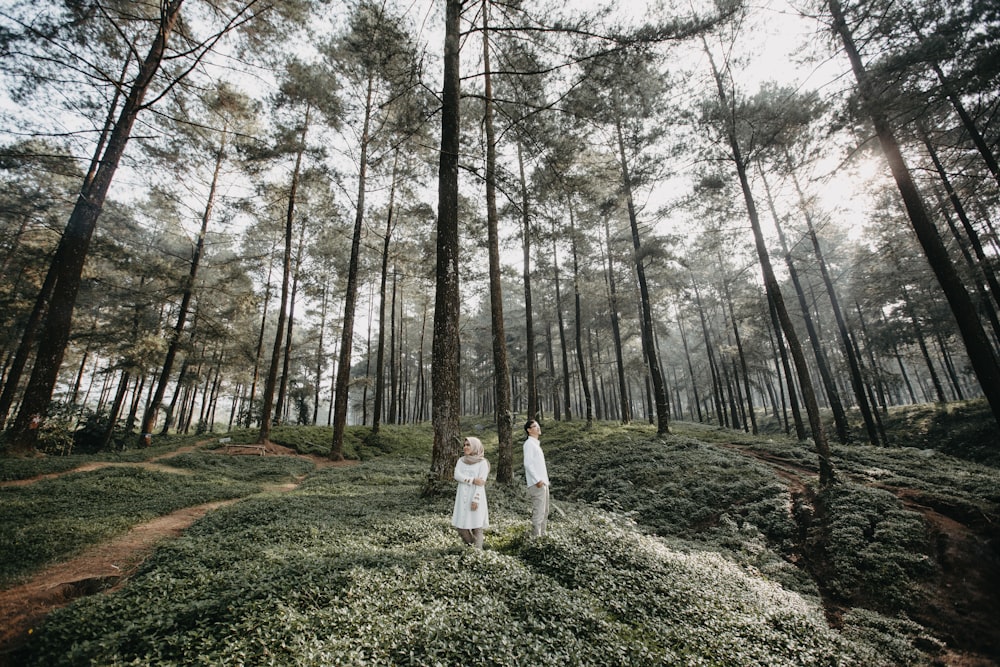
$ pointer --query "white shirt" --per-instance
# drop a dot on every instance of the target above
(534, 463)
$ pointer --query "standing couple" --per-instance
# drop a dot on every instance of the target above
(471, 514)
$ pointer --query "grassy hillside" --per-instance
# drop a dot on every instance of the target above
(683, 550)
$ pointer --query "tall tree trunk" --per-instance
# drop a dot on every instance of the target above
(324, 305)
(739, 351)
(822, 365)
(286, 361)
(149, 418)
(690, 367)
(982, 267)
(659, 388)
(270, 383)
(977, 344)
(626, 414)
(380, 346)
(717, 397)
(853, 363)
(501, 366)
(394, 350)
(71, 254)
(350, 298)
(826, 470)
(552, 383)
(578, 310)
(445, 400)
(529, 327)
(259, 350)
(12, 376)
(793, 396)
(567, 405)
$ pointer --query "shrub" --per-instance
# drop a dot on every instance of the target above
(878, 552)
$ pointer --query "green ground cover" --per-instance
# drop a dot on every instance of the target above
(355, 568)
(672, 550)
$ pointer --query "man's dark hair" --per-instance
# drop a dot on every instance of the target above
(528, 424)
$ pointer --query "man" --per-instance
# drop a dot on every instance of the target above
(536, 477)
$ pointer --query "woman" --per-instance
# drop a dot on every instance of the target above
(471, 514)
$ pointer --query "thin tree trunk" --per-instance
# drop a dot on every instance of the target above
(350, 298)
(626, 414)
(826, 470)
(380, 346)
(853, 363)
(982, 266)
(659, 389)
(739, 350)
(690, 367)
(822, 365)
(501, 365)
(578, 310)
(529, 340)
(793, 397)
(567, 407)
(149, 419)
(324, 304)
(289, 329)
(267, 399)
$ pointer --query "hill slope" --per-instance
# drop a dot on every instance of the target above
(701, 548)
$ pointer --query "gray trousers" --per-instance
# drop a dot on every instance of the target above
(539, 509)
(472, 536)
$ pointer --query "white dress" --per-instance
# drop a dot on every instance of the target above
(463, 515)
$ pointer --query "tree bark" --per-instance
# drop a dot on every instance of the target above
(350, 298)
(501, 367)
(659, 389)
(270, 383)
(445, 397)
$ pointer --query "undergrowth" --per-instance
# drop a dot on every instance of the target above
(355, 568)
(662, 550)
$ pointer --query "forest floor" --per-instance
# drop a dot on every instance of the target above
(105, 567)
(962, 605)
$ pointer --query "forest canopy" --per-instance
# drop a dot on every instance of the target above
(255, 212)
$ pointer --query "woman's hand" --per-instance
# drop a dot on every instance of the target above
(475, 506)
(479, 481)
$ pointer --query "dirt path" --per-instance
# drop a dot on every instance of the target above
(150, 464)
(107, 566)
(102, 567)
(963, 604)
